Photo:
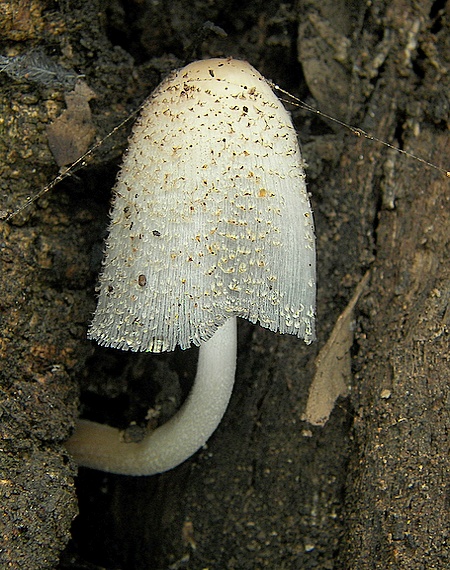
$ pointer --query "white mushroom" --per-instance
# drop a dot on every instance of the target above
(211, 220)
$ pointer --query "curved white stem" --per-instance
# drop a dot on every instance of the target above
(99, 446)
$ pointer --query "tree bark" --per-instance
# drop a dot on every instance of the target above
(370, 489)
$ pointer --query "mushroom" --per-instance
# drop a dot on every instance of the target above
(211, 221)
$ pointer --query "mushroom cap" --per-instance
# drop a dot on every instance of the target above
(211, 217)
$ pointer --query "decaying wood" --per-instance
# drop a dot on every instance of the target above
(333, 364)
(367, 491)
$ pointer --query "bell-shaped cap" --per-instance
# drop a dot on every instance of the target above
(211, 216)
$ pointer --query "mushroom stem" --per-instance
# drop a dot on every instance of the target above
(99, 446)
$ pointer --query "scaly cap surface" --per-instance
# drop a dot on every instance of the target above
(211, 216)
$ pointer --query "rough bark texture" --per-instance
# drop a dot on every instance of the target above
(370, 490)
